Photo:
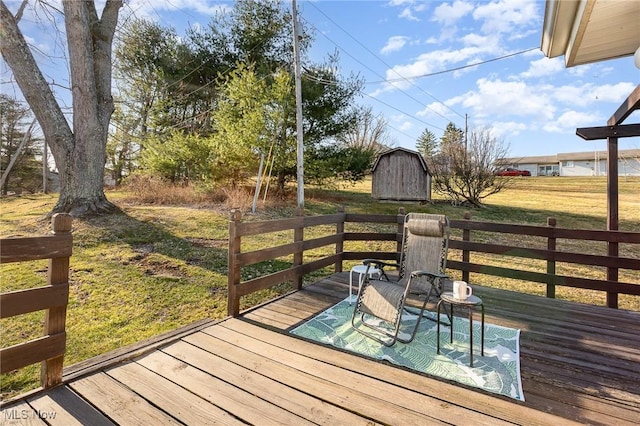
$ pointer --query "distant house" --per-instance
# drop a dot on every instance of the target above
(592, 163)
(401, 175)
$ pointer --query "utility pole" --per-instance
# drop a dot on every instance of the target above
(298, 87)
(466, 131)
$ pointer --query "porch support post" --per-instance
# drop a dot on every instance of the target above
(551, 263)
(612, 212)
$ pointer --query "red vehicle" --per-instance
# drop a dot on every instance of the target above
(510, 171)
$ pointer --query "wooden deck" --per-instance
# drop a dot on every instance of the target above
(579, 364)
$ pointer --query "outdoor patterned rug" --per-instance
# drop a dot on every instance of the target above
(498, 371)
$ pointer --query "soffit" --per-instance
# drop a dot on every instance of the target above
(586, 31)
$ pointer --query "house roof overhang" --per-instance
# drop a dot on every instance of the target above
(587, 31)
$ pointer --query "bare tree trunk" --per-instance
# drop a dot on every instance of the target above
(79, 153)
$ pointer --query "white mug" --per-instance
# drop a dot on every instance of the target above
(461, 290)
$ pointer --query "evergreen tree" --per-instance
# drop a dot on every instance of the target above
(452, 136)
(427, 144)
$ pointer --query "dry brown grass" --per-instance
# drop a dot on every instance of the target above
(150, 190)
(163, 262)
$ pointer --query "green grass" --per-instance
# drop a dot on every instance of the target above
(154, 268)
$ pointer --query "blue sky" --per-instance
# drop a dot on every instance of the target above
(406, 50)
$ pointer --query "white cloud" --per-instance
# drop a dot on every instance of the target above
(434, 109)
(590, 93)
(565, 94)
(570, 120)
(394, 43)
(544, 67)
(507, 105)
(439, 60)
(401, 123)
(507, 16)
(611, 93)
(448, 14)
(497, 98)
(473, 39)
(502, 130)
(421, 6)
(579, 71)
(406, 126)
(407, 13)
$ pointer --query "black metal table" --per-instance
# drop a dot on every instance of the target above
(470, 303)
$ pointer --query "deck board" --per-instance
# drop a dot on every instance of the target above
(69, 408)
(579, 364)
(265, 388)
(118, 403)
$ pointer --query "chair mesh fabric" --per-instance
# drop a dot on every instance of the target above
(425, 246)
(383, 299)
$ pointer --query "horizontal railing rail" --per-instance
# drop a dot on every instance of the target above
(475, 240)
(53, 297)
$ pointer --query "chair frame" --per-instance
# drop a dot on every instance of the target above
(436, 281)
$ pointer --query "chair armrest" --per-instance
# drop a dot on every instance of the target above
(435, 279)
(416, 274)
(380, 264)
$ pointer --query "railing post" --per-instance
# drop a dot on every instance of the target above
(298, 236)
(466, 236)
(233, 300)
(56, 316)
(340, 244)
(551, 263)
(613, 211)
(400, 232)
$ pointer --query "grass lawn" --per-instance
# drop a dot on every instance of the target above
(158, 267)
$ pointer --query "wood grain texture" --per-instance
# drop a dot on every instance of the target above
(580, 365)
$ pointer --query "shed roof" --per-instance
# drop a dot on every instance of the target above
(586, 31)
(423, 163)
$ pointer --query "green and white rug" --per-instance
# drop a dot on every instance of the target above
(498, 371)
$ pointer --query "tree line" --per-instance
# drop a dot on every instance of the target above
(202, 108)
(207, 107)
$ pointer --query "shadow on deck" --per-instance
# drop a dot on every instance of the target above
(579, 363)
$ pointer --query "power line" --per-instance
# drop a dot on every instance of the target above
(391, 68)
(392, 107)
(365, 94)
(456, 68)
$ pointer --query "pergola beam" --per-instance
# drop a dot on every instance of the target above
(631, 104)
(611, 131)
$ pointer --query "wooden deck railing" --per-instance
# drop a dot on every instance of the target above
(53, 297)
(551, 255)
(468, 244)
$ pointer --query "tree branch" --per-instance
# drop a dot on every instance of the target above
(32, 83)
(21, 10)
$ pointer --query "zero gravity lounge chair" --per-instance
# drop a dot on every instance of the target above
(421, 274)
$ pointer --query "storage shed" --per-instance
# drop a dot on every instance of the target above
(400, 174)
